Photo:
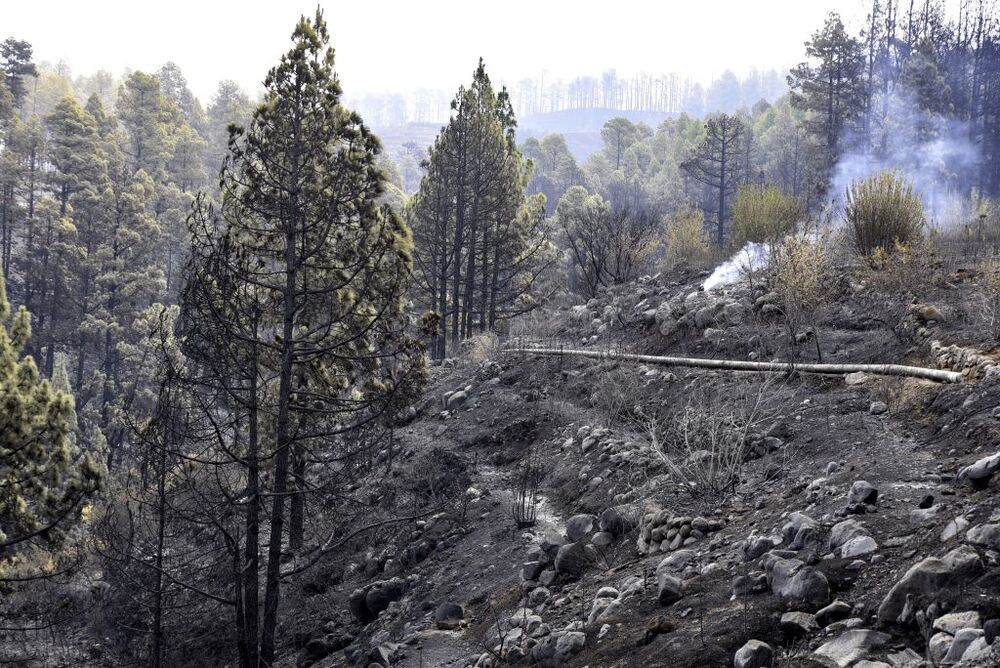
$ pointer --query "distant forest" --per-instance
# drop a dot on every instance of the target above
(667, 93)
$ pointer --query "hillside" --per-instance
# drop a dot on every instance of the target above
(849, 537)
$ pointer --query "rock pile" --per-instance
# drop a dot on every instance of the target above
(661, 531)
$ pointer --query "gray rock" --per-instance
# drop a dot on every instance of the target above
(938, 647)
(580, 526)
(669, 589)
(602, 539)
(755, 547)
(858, 546)
(456, 399)
(954, 622)
(960, 644)
(798, 585)
(980, 472)
(927, 579)
(845, 531)
(980, 654)
(798, 530)
(878, 408)
(834, 612)
(985, 535)
(852, 646)
(798, 623)
(568, 644)
(449, 616)
(754, 654)
(953, 528)
(862, 491)
(676, 562)
(573, 559)
(531, 570)
(618, 520)
(992, 629)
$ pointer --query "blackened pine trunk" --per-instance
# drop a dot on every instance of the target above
(459, 234)
(250, 573)
(470, 271)
(723, 183)
(484, 287)
(272, 591)
(297, 511)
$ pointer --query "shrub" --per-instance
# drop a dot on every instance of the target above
(686, 239)
(705, 443)
(764, 214)
(883, 213)
(803, 281)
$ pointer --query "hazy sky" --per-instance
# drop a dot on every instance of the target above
(407, 44)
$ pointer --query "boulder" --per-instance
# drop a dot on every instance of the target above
(449, 616)
(938, 647)
(754, 654)
(798, 530)
(858, 547)
(602, 539)
(617, 521)
(954, 622)
(676, 562)
(985, 535)
(797, 584)
(844, 531)
(834, 612)
(927, 579)
(852, 646)
(862, 491)
(568, 644)
(878, 408)
(953, 528)
(963, 639)
(530, 570)
(580, 526)
(980, 472)
(573, 559)
(798, 624)
(669, 589)
(381, 594)
(755, 547)
(456, 399)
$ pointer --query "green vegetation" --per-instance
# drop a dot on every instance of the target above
(883, 213)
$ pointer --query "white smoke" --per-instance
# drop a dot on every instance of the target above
(933, 152)
(750, 258)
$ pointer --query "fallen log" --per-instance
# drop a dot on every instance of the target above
(938, 375)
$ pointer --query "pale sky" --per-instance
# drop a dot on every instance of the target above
(401, 45)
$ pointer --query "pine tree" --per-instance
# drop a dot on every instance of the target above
(303, 241)
(481, 245)
(43, 480)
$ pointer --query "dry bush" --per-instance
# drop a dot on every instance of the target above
(883, 214)
(764, 214)
(803, 278)
(687, 240)
(893, 280)
(705, 443)
(617, 396)
(524, 507)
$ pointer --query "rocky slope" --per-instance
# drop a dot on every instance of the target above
(859, 529)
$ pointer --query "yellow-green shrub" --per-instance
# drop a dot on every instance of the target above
(883, 213)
